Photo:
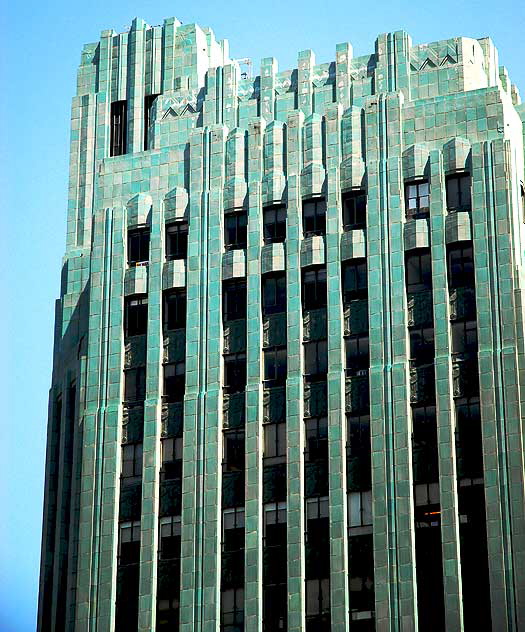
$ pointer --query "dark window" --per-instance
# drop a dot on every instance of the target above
(174, 381)
(235, 230)
(234, 300)
(316, 359)
(171, 458)
(175, 309)
(355, 280)
(148, 112)
(275, 366)
(422, 345)
(132, 461)
(135, 384)
(119, 116)
(177, 240)
(314, 288)
(357, 354)
(136, 316)
(233, 529)
(418, 271)
(235, 372)
(170, 538)
(458, 192)
(275, 555)
(314, 217)
(417, 200)
(138, 245)
(233, 450)
(274, 218)
(317, 599)
(354, 210)
(168, 614)
(316, 448)
(129, 543)
(465, 337)
(424, 425)
(461, 266)
(232, 610)
(359, 509)
(274, 443)
(358, 428)
(274, 293)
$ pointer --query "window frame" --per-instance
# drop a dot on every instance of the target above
(318, 299)
(133, 526)
(274, 223)
(316, 439)
(177, 232)
(277, 293)
(314, 223)
(420, 255)
(458, 178)
(240, 230)
(135, 459)
(460, 265)
(232, 291)
(321, 360)
(275, 358)
(174, 300)
(138, 392)
(417, 210)
(237, 359)
(172, 525)
(118, 128)
(354, 218)
(135, 319)
(274, 443)
(178, 379)
(355, 270)
(141, 235)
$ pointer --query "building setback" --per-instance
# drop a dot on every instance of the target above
(289, 372)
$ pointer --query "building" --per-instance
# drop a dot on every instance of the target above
(289, 372)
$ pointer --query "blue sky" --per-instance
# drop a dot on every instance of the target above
(39, 51)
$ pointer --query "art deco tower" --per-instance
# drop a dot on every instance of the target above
(289, 376)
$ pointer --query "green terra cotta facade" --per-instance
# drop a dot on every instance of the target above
(289, 371)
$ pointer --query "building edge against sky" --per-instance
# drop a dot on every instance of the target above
(289, 355)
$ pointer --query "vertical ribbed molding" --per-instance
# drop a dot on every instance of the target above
(450, 542)
(230, 89)
(136, 85)
(267, 89)
(274, 181)
(81, 170)
(294, 383)
(149, 524)
(213, 433)
(112, 341)
(254, 466)
(100, 454)
(382, 414)
(392, 72)
(343, 82)
(399, 462)
(305, 86)
(153, 60)
(500, 413)
(169, 46)
(212, 104)
(339, 602)
(104, 98)
(194, 399)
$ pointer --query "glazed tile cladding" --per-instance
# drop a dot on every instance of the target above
(289, 356)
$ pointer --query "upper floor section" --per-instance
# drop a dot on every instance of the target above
(174, 77)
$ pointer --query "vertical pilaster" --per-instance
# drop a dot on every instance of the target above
(492, 396)
(149, 522)
(448, 494)
(339, 602)
(254, 465)
(136, 85)
(194, 400)
(294, 384)
(213, 470)
(305, 87)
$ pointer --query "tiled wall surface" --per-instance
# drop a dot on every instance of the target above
(218, 142)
